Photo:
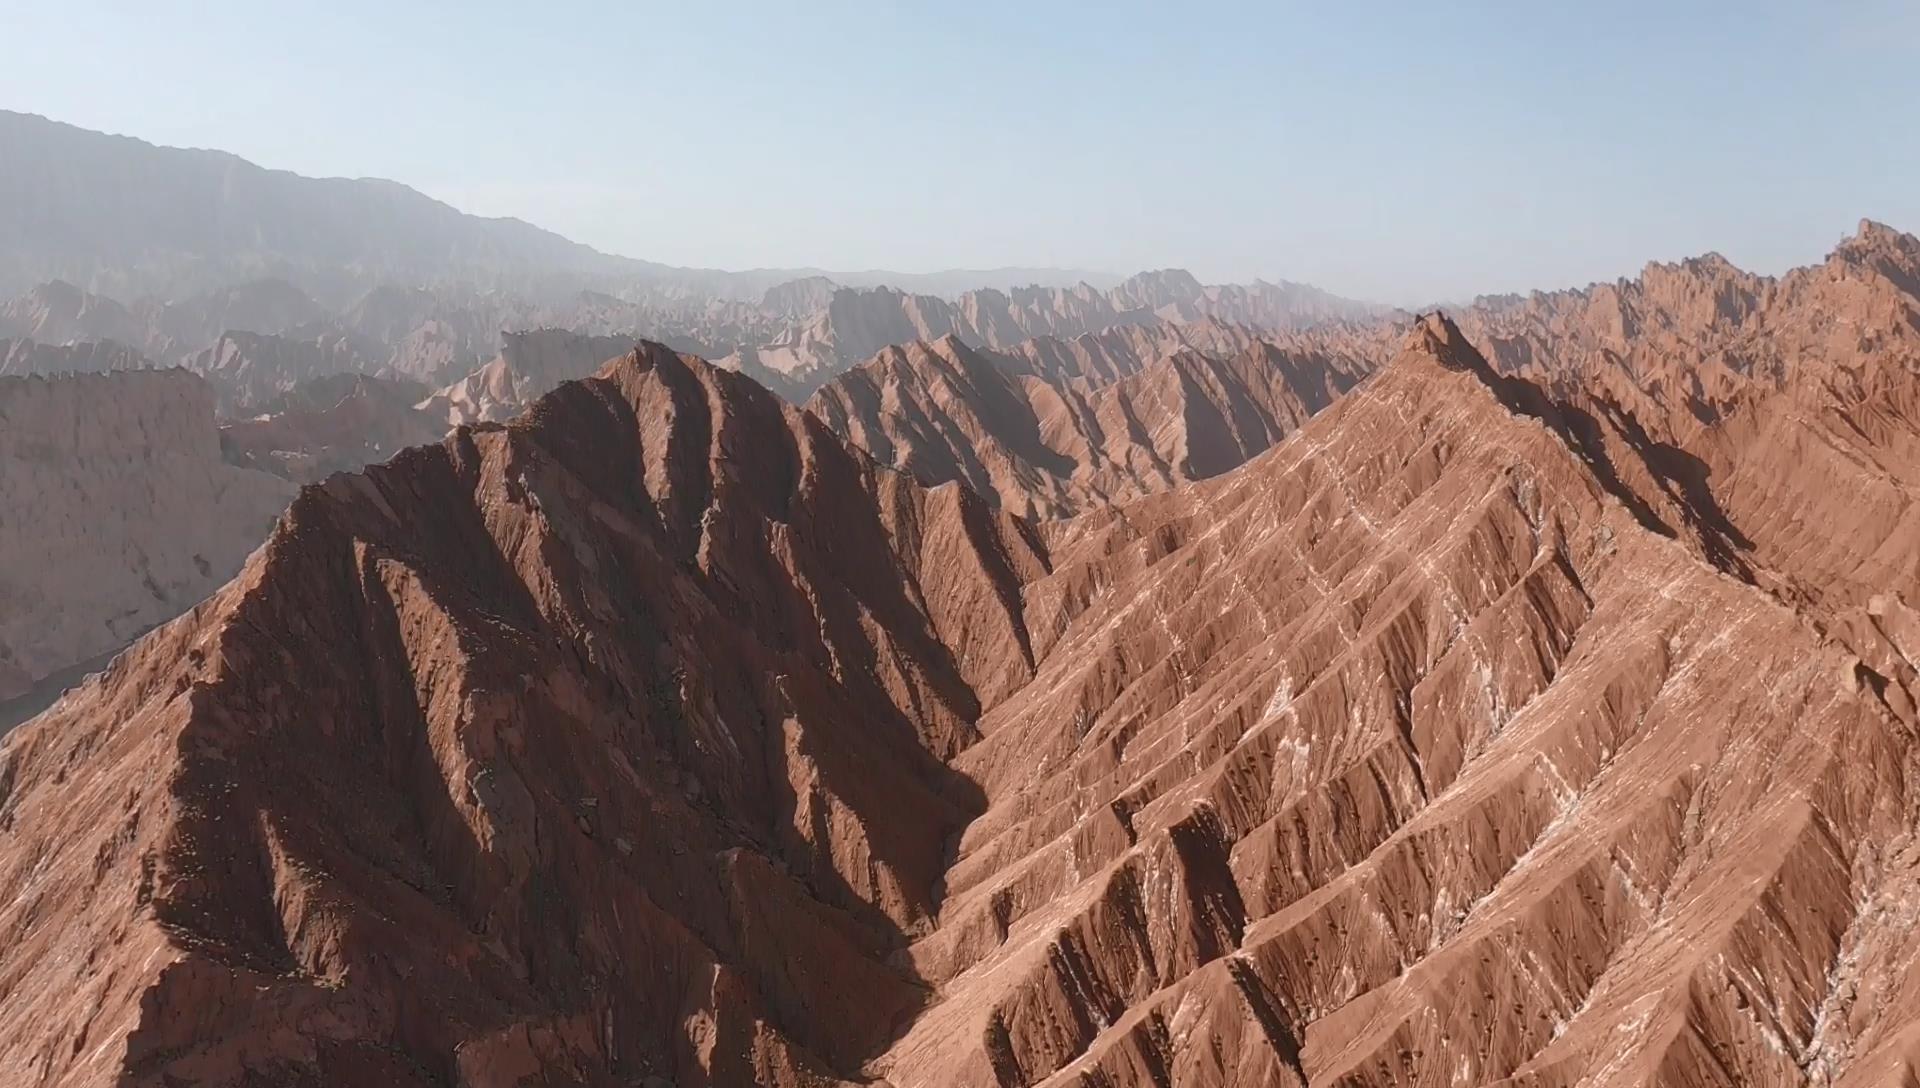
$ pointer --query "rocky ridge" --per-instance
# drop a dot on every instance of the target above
(1053, 428)
(1457, 737)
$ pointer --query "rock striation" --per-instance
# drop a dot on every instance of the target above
(1463, 736)
(659, 674)
(1055, 428)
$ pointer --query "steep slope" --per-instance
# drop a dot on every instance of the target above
(1788, 409)
(1056, 428)
(328, 425)
(250, 370)
(530, 365)
(599, 747)
(1407, 755)
(116, 512)
(656, 735)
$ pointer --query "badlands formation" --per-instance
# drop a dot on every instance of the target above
(119, 513)
(1522, 702)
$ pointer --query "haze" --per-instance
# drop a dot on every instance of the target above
(1396, 154)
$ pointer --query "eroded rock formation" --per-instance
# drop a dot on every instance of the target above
(329, 425)
(116, 512)
(1543, 722)
(1054, 428)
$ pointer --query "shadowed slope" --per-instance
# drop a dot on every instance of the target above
(603, 745)
(1058, 427)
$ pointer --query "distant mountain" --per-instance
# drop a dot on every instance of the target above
(1045, 438)
(336, 423)
(855, 324)
(118, 514)
(23, 356)
(125, 217)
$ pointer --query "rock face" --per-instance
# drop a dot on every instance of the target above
(630, 715)
(1411, 754)
(249, 370)
(1055, 428)
(330, 425)
(116, 512)
(1468, 735)
(856, 324)
(23, 356)
(530, 365)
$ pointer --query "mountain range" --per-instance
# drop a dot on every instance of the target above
(1053, 687)
(127, 218)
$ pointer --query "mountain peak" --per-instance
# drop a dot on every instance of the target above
(1436, 336)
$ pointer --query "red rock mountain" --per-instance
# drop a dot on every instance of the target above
(530, 365)
(659, 674)
(856, 324)
(1054, 428)
(1468, 735)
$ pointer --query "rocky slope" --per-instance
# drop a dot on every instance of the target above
(1463, 737)
(19, 357)
(856, 324)
(1054, 428)
(530, 365)
(330, 425)
(116, 512)
(1415, 752)
(249, 370)
(604, 746)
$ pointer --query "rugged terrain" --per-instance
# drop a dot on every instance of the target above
(1157, 684)
(856, 324)
(334, 424)
(116, 512)
(1468, 734)
(1054, 428)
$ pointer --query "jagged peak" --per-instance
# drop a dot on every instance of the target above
(1874, 238)
(1434, 335)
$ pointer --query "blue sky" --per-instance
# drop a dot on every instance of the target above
(1402, 153)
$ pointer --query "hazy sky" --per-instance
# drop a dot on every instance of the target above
(1396, 153)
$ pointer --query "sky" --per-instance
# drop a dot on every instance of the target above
(1399, 153)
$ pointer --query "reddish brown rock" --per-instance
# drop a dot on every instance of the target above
(1541, 728)
(1057, 427)
(602, 746)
